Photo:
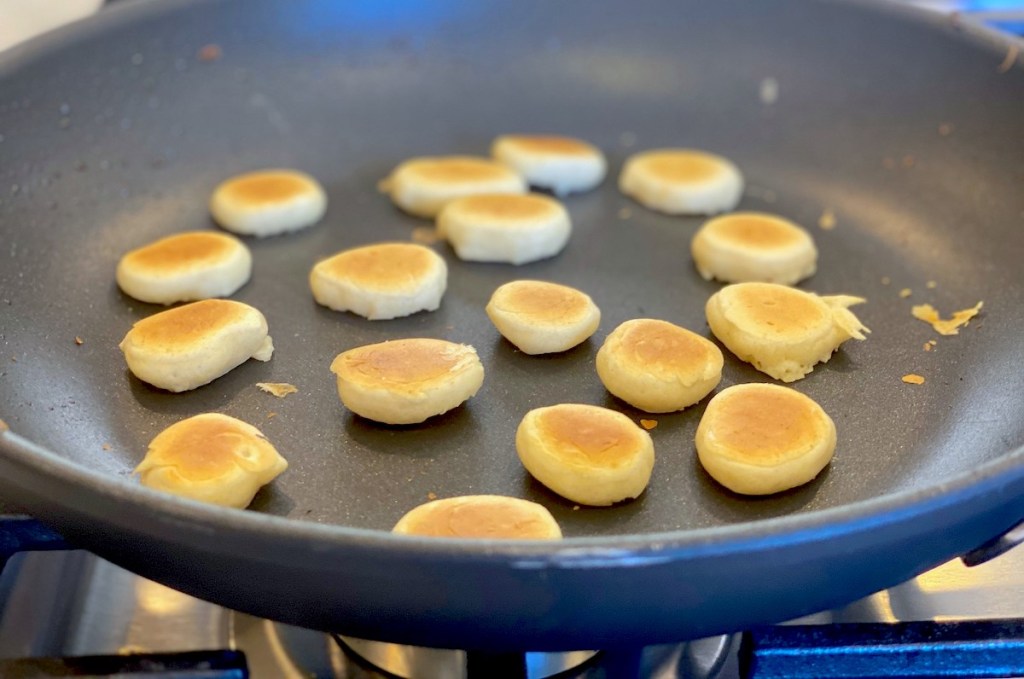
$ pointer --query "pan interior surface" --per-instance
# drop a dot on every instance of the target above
(840, 116)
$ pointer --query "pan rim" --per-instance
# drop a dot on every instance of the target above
(805, 526)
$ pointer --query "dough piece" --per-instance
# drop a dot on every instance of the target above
(211, 458)
(406, 381)
(185, 267)
(381, 281)
(191, 345)
(422, 186)
(752, 246)
(657, 366)
(587, 454)
(543, 318)
(561, 165)
(782, 331)
(758, 439)
(505, 228)
(682, 181)
(268, 202)
(480, 517)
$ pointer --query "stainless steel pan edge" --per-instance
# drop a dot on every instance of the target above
(584, 592)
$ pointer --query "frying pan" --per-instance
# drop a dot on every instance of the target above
(906, 127)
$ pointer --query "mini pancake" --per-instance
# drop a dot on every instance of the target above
(543, 318)
(657, 366)
(758, 439)
(587, 454)
(422, 186)
(491, 517)
(268, 202)
(191, 345)
(381, 281)
(211, 458)
(406, 381)
(752, 246)
(561, 165)
(185, 267)
(782, 331)
(505, 228)
(682, 181)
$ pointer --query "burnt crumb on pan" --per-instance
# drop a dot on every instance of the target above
(906, 292)
(425, 235)
(886, 280)
(948, 326)
(931, 285)
(912, 378)
(929, 345)
(431, 495)
(575, 508)
(1012, 52)
(79, 341)
(648, 424)
(107, 447)
(909, 161)
(210, 52)
(271, 415)
(278, 389)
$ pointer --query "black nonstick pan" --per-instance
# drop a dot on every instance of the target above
(906, 128)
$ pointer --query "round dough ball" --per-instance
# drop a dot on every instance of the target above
(505, 228)
(422, 186)
(543, 318)
(406, 381)
(752, 246)
(590, 455)
(758, 439)
(211, 458)
(191, 345)
(268, 202)
(381, 281)
(682, 181)
(657, 366)
(782, 331)
(561, 165)
(489, 517)
(185, 267)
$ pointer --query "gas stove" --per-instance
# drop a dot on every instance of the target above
(65, 612)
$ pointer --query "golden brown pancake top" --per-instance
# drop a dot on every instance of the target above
(538, 301)
(649, 342)
(511, 207)
(778, 309)
(458, 169)
(589, 435)
(497, 518)
(261, 188)
(189, 323)
(764, 424)
(405, 362)
(205, 447)
(387, 266)
(756, 231)
(549, 144)
(182, 251)
(682, 167)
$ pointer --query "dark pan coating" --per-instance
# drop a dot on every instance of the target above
(115, 132)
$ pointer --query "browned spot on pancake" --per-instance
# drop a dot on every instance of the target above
(506, 207)
(592, 435)
(189, 323)
(261, 188)
(387, 266)
(682, 167)
(182, 250)
(459, 169)
(542, 302)
(765, 425)
(779, 308)
(649, 341)
(202, 448)
(466, 518)
(408, 361)
(553, 145)
(755, 231)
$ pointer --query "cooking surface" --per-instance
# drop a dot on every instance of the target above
(140, 136)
